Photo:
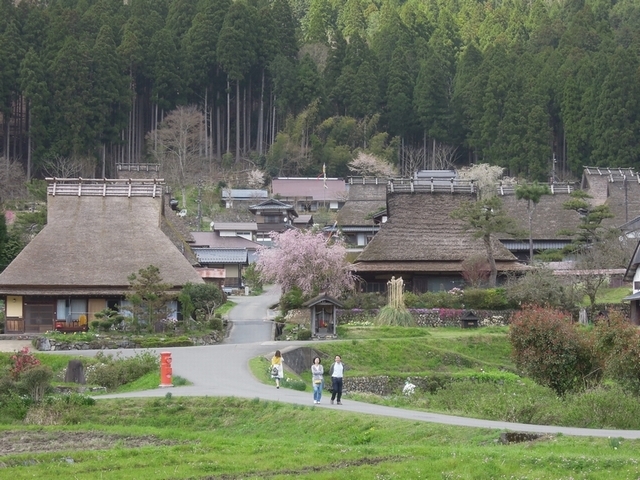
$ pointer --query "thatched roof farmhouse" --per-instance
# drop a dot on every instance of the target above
(421, 243)
(355, 220)
(98, 233)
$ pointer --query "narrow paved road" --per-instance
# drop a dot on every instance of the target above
(222, 370)
(251, 317)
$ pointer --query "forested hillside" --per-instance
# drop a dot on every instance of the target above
(295, 84)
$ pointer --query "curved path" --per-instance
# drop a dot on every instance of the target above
(223, 370)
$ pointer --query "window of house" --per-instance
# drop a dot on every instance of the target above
(272, 219)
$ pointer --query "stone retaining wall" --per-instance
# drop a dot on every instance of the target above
(47, 344)
(433, 317)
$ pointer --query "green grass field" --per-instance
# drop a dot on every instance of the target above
(230, 438)
(227, 438)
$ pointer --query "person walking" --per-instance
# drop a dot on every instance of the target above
(317, 370)
(277, 368)
(337, 373)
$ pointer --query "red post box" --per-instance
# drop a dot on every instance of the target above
(165, 369)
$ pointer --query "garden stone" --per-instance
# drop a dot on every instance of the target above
(75, 372)
(44, 344)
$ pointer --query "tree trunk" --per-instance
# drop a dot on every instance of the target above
(238, 122)
(228, 115)
(530, 212)
(29, 141)
(493, 276)
(260, 118)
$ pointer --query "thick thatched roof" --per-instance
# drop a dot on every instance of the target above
(364, 200)
(549, 217)
(420, 229)
(619, 188)
(95, 237)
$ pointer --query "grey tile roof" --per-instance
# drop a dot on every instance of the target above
(221, 255)
(235, 226)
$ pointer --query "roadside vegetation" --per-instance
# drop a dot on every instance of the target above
(207, 438)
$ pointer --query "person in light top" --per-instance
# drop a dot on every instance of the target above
(337, 373)
(277, 368)
(317, 370)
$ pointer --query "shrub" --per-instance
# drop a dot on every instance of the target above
(551, 350)
(215, 323)
(486, 299)
(36, 381)
(618, 343)
(95, 324)
(22, 361)
(304, 335)
(294, 384)
(111, 373)
(13, 405)
(105, 325)
(394, 316)
(365, 301)
(291, 300)
(443, 299)
(541, 287)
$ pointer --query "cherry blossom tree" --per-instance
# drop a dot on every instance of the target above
(368, 165)
(306, 260)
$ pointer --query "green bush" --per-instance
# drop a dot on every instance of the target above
(36, 381)
(394, 316)
(549, 348)
(94, 324)
(111, 373)
(486, 299)
(291, 300)
(105, 325)
(304, 335)
(13, 406)
(442, 299)
(294, 384)
(216, 323)
(365, 301)
(617, 341)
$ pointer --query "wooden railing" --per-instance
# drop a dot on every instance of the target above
(105, 187)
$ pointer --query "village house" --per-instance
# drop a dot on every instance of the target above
(272, 216)
(310, 194)
(421, 243)
(98, 232)
(357, 220)
(224, 252)
(632, 275)
(239, 197)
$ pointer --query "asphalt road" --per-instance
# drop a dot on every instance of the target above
(222, 370)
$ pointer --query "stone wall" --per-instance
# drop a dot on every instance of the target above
(47, 344)
(433, 317)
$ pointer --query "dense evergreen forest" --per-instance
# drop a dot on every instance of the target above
(540, 87)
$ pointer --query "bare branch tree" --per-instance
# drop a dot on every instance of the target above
(443, 156)
(12, 180)
(178, 145)
(63, 167)
(412, 161)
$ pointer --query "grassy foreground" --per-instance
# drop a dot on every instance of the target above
(228, 438)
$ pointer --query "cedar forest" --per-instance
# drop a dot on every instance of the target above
(540, 87)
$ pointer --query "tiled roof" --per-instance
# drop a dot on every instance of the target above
(221, 255)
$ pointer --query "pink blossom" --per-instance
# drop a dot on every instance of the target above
(306, 260)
